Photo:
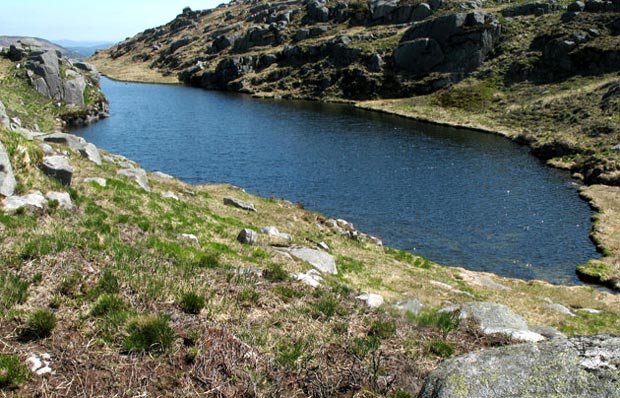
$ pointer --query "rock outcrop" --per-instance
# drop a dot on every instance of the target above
(58, 167)
(7, 178)
(587, 367)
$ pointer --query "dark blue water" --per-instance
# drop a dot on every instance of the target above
(456, 197)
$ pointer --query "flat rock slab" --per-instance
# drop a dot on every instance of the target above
(73, 141)
(412, 305)
(319, 259)
(580, 367)
(7, 178)
(497, 318)
(229, 201)
(35, 199)
(58, 167)
(138, 175)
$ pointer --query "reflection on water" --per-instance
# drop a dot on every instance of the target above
(456, 197)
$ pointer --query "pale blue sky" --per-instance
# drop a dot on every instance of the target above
(99, 20)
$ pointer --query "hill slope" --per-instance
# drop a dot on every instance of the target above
(119, 282)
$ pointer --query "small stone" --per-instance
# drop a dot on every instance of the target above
(138, 175)
(412, 305)
(589, 311)
(323, 246)
(97, 180)
(159, 174)
(560, 309)
(47, 149)
(169, 195)
(372, 300)
(192, 238)
(311, 278)
(270, 230)
(239, 204)
(247, 236)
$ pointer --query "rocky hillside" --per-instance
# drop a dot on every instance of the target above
(115, 281)
(543, 73)
(7, 41)
(72, 87)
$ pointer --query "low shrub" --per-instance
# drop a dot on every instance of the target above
(148, 333)
(191, 303)
(12, 371)
(40, 324)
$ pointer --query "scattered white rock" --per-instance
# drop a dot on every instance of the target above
(138, 175)
(323, 246)
(97, 180)
(589, 310)
(270, 230)
(311, 278)
(7, 178)
(560, 309)
(169, 195)
(483, 281)
(372, 300)
(90, 152)
(63, 199)
(190, 237)
(159, 174)
(412, 305)
(40, 365)
(446, 286)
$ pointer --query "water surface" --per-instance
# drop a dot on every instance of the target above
(454, 196)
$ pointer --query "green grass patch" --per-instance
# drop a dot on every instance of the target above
(348, 265)
(12, 371)
(148, 333)
(13, 290)
(107, 304)
(40, 324)
(440, 348)
(191, 303)
(444, 321)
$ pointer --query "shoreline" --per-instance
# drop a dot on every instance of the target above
(589, 272)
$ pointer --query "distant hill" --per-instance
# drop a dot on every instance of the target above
(6, 41)
(84, 48)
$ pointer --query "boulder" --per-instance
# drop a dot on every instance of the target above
(90, 152)
(559, 308)
(47, 149)
(45, 69)
(229, 201)
(579, 367)
(418, 56)
(247, 237)
(380, 9)
(35, 199)
(322, 261)
(497, 318)
(73, 90)
(435, 4)
(7, 178)
(138, 175)
(58, 167)
(376, 63)
(97, 180)
(317, 12)
(576, 6)
(190, 237)
(455, 43)
(422, 11)
(63, 199)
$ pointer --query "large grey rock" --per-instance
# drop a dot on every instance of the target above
(247, 236)
(239, 204)
(63, 199)
(497, 318)
(422, 11)
(137, 175)
(319, 259)
(73, 90)
(382, 8)
(463, 41)
(35, 199)
(4, 118)
(7, 178)
(90, 152)
(317, 12)
(45, 68)
(58, 167)
(71, 140)
(580, 367)
(418, 56)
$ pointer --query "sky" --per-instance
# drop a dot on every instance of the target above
(94, 21)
